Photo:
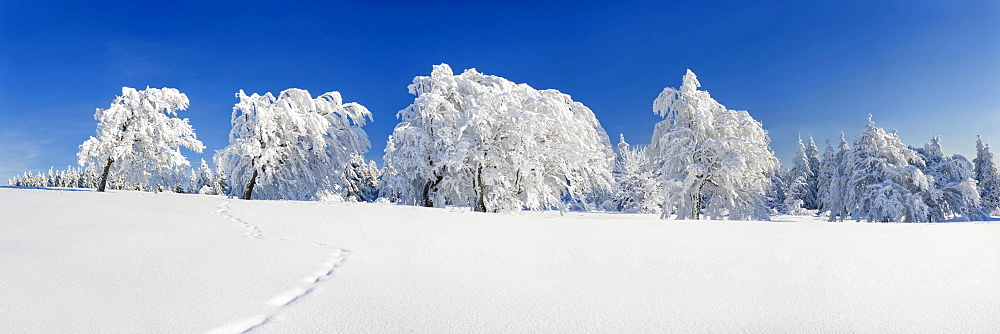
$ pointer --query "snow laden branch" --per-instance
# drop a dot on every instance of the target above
(139, 139)
(483, 141)
(291, 146)
(710, 160)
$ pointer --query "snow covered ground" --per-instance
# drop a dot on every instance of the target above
(81, 261)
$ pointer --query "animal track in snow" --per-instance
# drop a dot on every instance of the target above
(288, 297)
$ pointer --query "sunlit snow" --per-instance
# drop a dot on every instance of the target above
(81, 261)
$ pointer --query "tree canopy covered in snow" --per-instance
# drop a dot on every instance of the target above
(484, 141)
(291, 146)
(711, 161)
(139, 139)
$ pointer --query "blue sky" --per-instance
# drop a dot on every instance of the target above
(814, 68)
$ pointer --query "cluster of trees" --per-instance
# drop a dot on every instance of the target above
(497, 146)
(286, 147)
(878, 178)
(71, 177)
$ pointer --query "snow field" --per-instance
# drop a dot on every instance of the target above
(76, 261)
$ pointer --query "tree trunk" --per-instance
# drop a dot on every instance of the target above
(698, 198)
(428, 202)
(104, 176)
(427, 192)
(253, 181)
(480, 189)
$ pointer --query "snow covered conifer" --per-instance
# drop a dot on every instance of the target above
(221, 183)
(139, 138)
(881, 180)
(291, 146)
(774, 195)
(802, 187)
(953, 190)
(812, 153)
(361, 179)
(833, 180)
(636, 189)
(711, 160)
(202, 178)
(986, 174)
(484, 141)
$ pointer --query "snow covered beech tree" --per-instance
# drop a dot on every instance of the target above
(635, 189)
(986, 174)
(483, 141)
(291, 146)
(711, 161)
(880, 180)
(953, 190)
(139, 139)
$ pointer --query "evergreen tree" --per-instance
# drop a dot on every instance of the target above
(827, 170)
(202, 180)
(953, 190)
(775, 194)
(802, 179)
(985, 173)
(832, 198)
(361, 179)
(636, 189)
(881, 180)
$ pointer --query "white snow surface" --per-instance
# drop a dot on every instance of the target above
(124, 262)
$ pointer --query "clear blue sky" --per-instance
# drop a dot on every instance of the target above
(924, 68)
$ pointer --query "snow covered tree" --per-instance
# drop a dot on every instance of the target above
(202, 180)
(985, 173)
(291, 146)
(361, 179)
(774, 195)
(833, 180)
(880, 180)
(812, 153)
(635, 189)
(711, 161)
(221, 183)
(139, 140)
(802, 179)
(827, 170)
(481, 140)
(953, 190)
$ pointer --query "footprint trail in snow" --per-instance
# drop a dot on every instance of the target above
(288, 297)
